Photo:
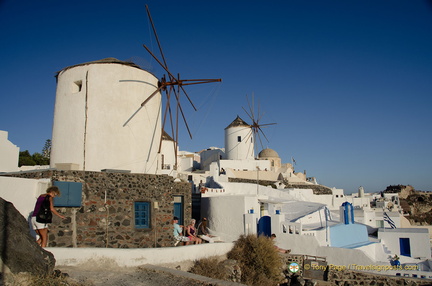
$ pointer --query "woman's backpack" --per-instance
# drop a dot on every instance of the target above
(44, 215)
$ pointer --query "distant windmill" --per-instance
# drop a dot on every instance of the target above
(256, 126)
(173, 87)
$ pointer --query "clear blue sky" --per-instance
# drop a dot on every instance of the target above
(349, 83)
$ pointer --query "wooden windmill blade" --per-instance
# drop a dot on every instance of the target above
(262, 132)
(187, 96)
(180, 109)
(166, 112)
(172, 87)
(173, 81)
(260, 114)
(251, 109)
(250, 116)
(151, 96)
(157, 37)
(256, 126)
(177, 81)
(164, 66)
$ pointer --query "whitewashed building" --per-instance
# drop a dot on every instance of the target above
(9, 154)
(409, 242)
(305, 219)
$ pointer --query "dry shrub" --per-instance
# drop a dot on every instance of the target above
(259, 261)
(210, 267)
(53, 280)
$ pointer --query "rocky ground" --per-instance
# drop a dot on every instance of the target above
(417, 204)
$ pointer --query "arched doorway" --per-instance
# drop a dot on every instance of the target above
(264, 226)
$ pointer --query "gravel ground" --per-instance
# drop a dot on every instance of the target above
(146, 275)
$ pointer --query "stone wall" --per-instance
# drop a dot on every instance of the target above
(108, 220)
(348, 277)
(317, 189)
(250, 181)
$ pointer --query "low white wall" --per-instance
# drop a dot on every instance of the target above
(308, 245)
(375, 251)
(22, 193)
(131, 257)
(225, 214)
(249, 165)
(343, 256)
(255, 175)
(299, 244)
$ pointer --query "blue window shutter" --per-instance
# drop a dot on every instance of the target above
(64, 190)
(178, 208)
(178, 212)
(70, 194)
(75, 190)
(142, 214)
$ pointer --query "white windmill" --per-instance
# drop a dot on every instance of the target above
(97, 124)
(241, 138)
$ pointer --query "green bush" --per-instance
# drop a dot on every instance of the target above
(259, 261)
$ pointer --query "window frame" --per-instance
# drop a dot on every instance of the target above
(147, 214)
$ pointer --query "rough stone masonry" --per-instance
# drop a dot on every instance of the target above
(106, 215)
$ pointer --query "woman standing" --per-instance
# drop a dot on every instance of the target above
(192, 233)
(41, 229)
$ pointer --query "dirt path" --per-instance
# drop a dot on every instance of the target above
(146, 275)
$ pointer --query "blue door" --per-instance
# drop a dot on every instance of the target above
(264, 226)
(405, 248)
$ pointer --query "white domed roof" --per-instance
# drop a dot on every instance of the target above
(268, 153)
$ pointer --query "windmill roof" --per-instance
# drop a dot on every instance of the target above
(102, 61)
(165, 136)
(238, 122)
